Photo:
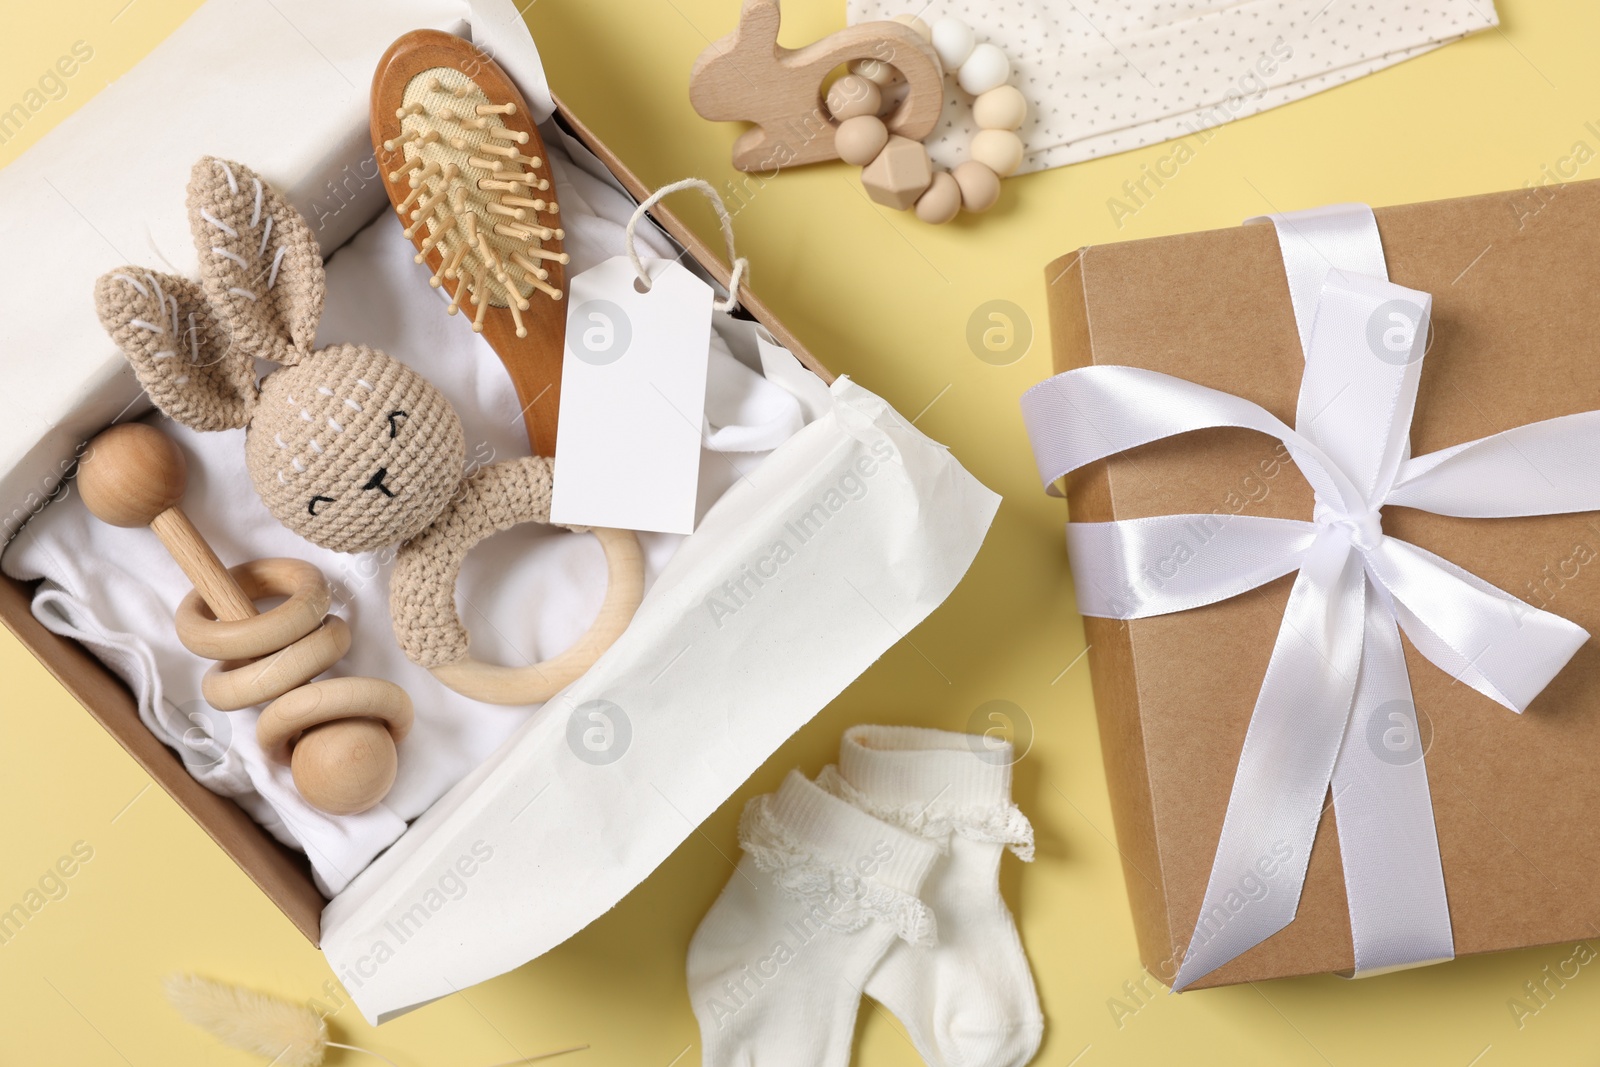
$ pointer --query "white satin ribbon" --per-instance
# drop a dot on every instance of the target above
(1335, 705)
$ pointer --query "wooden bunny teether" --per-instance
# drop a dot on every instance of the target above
(749, 76)
(347, 446)
(338, 735)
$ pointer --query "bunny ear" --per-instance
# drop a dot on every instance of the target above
(259, 264)
(181, 352)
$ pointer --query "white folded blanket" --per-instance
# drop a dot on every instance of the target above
(1106, 76)
(526, 594)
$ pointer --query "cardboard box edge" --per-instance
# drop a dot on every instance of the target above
(1116, 703)
(282, 874)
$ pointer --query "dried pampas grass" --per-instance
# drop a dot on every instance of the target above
(291, 1035)
(288, 1034)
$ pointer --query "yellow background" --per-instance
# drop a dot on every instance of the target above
(879, 296)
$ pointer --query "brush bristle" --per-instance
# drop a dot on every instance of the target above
(474, 196)
(291, 1035)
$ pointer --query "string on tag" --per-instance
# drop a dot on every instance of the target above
(740, 266)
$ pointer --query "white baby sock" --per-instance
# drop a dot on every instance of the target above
(777, 965)
(968, 1001)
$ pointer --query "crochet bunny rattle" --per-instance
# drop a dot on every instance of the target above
(347, 447)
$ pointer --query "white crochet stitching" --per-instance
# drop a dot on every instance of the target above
(243, 292)
(218, 223)
(232, 184)
(231, 255)
(255, 218)
(272, 278)
(142, 290)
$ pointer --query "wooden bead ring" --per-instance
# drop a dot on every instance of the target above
(202, 633)
(235, 684)
(330, 700)
(896, 171)
(538, 682)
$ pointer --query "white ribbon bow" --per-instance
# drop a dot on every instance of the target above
(1335, 704)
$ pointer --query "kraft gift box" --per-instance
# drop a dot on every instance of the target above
(1515, 280)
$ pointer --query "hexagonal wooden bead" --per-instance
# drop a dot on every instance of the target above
(900, 173)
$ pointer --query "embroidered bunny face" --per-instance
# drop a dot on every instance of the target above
(353, 450)
(347, 447)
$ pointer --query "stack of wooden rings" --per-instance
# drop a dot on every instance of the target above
(337, 735)
(897, 171)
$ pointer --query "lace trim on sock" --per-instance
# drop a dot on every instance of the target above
(1003, 824)
(848, 902)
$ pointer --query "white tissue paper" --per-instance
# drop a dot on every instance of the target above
(508, 830)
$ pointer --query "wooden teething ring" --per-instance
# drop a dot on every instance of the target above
(319, 703)
(205, 635)
(235, 684)
(496, 684)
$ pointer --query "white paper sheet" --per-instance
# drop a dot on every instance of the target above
(805, 572)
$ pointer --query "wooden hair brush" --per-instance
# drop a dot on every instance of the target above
(466, 169)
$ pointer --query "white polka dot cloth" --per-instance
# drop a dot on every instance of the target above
(1105, 76)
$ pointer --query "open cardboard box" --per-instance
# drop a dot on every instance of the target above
(284, 875)
(545, 890)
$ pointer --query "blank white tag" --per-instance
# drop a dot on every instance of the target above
(633, 398)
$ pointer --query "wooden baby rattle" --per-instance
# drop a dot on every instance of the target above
(338, 735)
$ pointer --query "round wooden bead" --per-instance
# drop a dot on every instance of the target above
(859, 140)
(130, 474)
(874, 70)
(999, 150)
(853, 95)
(1001, 108)
(980, 186)
(345, 767)
(954, 41)
(922, 29)
(986, 68)
(941, 201)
